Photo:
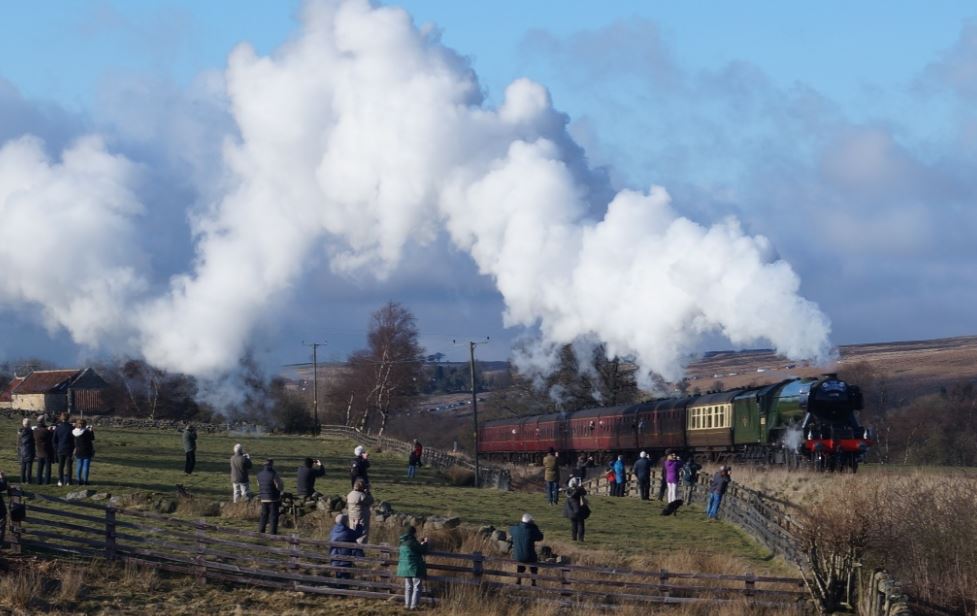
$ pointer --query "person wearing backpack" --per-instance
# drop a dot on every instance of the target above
(576, 509)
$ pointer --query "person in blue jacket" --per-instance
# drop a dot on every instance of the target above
(619, 476)
(342, 533)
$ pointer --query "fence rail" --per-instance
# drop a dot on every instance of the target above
(208, 552)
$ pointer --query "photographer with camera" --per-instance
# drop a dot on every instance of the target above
(310, 470)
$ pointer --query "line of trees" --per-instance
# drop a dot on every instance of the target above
(928, 429)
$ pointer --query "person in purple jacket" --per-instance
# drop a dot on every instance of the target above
(672, 467)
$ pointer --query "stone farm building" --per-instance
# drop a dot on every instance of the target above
(54, 391)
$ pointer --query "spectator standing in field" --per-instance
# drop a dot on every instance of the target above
(26, 451)
(717, 488)
(642, 472)
(619, 476)
(414, 459)
(673, 464)
(190, 449)
(358, 503)
(84, 450)
(411, 566)
(580, 469)
(306, 476)
(270, 488)
(342, 533)
(524, 537)
(611, 480)
(690, 479)
(240, 474)
(44, 447)
(64, 447)
(577, 509)
(551, 475)
(360, 468)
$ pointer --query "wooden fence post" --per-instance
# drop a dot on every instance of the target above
(385, 565)
(663, 582)
(750, 585)
(293, 552)
(201, 566)
(565, 580)
(478, 565)
(110, 533)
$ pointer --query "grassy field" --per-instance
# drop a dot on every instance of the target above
(130, 461)
(622, 531)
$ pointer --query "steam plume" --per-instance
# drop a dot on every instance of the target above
(367, 133)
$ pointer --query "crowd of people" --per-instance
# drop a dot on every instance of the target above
(71, 445)
(676, 474)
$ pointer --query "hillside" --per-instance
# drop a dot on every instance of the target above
(911, 367)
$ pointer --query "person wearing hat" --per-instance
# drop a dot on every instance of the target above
(577, 509)
(642, 472)
(717, 488)
(411, 565)
(270, 488)
(524, 537)
(360, 467)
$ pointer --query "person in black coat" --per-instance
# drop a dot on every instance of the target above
(360, 467)
(64, 447)
(26, 451)
(270, 488)
(44, 450)
(642, 471)
(577, 509)
(524, 537)
(84, 449)
(306, 476)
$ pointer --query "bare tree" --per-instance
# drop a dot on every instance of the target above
(382, 378)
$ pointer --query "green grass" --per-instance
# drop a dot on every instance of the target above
(129, 461)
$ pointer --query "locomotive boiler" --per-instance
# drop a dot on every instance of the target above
(792, 422)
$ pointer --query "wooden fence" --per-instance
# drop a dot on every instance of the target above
(208, 552)
(491, 476)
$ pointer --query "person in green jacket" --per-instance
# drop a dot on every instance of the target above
(411, 565)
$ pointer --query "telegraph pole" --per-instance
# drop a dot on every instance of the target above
(471, 353)
(315, 385)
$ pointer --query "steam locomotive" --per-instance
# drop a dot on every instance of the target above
(794, 422)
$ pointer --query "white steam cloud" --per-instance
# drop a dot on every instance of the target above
(367, 134)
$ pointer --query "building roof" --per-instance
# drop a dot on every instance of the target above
(45, 381)
(6, 394)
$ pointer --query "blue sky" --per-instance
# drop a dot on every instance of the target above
(843, 132)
